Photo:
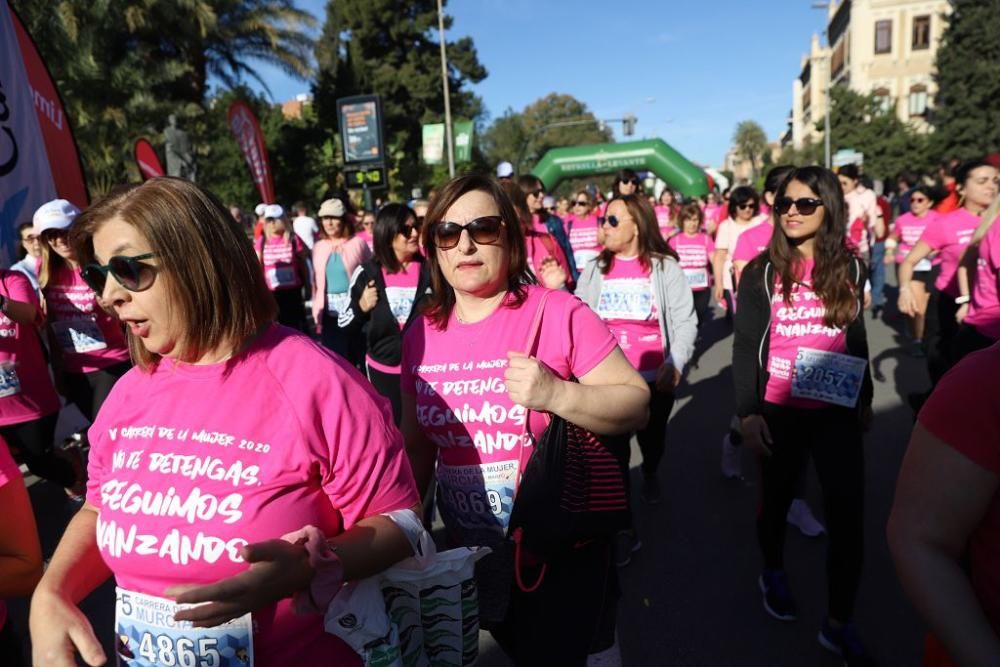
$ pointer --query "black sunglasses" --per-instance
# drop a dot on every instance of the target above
(804, 205)
(50, 235)
(582, 203)
(130, 273)
(746, 205)
(631, 181)
(611, 220)
(483, 231)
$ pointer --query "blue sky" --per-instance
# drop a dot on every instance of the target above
(688, 69)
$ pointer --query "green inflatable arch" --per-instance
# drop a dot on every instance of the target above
(653, 155)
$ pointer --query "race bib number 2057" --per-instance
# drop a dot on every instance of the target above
(147, 635)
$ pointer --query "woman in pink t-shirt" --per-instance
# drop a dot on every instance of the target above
(546, 260)
(667, 211)
(387, 292)
(474, 401)
(800, 368)
(695, 249)
(230, 433)
(639, 288)
(282, 254)
(906, 232)
(979, 278)
(87, 346)
(20, 552)
(947, 235)
(583, 229)
(744, 210)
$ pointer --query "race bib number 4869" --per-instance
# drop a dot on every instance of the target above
(147, 634)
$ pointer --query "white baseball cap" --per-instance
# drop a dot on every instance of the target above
(331, 208)
(505, 170)
(273, 211)
(259, 210)
(56, 214)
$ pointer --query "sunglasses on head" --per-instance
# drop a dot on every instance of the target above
(804, 205)
(130, 273)
(482, 231)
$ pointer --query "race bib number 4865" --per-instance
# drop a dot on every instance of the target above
(147, 635)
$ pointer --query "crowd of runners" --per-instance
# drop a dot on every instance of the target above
(282, 406)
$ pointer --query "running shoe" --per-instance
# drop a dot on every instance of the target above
(732, 464)
(845, 642)
(651, 493)
(626, 543)
(801, 516)
(778, 600)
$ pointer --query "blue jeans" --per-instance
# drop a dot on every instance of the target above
(877, 273)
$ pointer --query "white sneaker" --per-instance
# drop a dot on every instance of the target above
(800, 516)
(732, 463)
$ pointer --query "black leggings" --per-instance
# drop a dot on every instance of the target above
(291, 309)
(34, 442)
(652, 439)
(87, 391)
(968, 340)
(703, 305)
(940, 328)
(832, 436)
(387, 384)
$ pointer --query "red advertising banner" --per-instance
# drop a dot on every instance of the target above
(246, 129)
(147, 160)
(64, 159)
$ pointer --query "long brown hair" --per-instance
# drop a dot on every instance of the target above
(52, 262)
(442, 297)
(831, 278)
(651, 243)
(214, 281)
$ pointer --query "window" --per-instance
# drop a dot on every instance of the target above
(883, 36)
(918, 100)
(921, 32)
(883, 99)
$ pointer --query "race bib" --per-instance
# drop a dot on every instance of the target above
(79, 336)
(828, 376)
(478, 497)
(401, 302)
(924, 265)
(10, 384)
(281, 276)
(147, 635)
(697, 278)
(626, 300)
(338, 303)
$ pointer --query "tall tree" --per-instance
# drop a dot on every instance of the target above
(390, 48)
(965, 115)
(751, 142)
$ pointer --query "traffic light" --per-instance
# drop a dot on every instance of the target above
(628, 124)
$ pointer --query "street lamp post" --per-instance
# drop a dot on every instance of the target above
(448, 139)
(825, 6)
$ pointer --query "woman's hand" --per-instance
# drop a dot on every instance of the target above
(278, 570)
(529, 383)
(719, 292)
(667, 378)
(906, 303)
(369, 298)
(962, 313)
(59, 631)
(551, 274)
(756, 434)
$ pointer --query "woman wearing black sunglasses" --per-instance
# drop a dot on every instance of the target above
(89, 352)
(800, 367)
(387, 292)
(627, 182)
(744, 214)
(476, 392)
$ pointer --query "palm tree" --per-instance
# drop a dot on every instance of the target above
(751, 142)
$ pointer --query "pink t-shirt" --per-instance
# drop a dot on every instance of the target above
(663, 220)
(909, 229)
(583, 238)
(793, 327)
(539, 247)
(725, 239)
(948, 234)
(400, 291)
(26, 391)
(695, 254)
(752, 242)
(715, 213)
(457, 376)
(9, 474)
(984, 307)
(862, 214)
(280, 267)
(189, 463)
(89, 338)
(628, 306)
(366, 236)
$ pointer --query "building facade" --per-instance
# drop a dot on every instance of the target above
(886, 47)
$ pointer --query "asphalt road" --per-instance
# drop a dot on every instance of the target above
(690, 595)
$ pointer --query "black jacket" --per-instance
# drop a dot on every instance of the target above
(752, 336)
(385, 340)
